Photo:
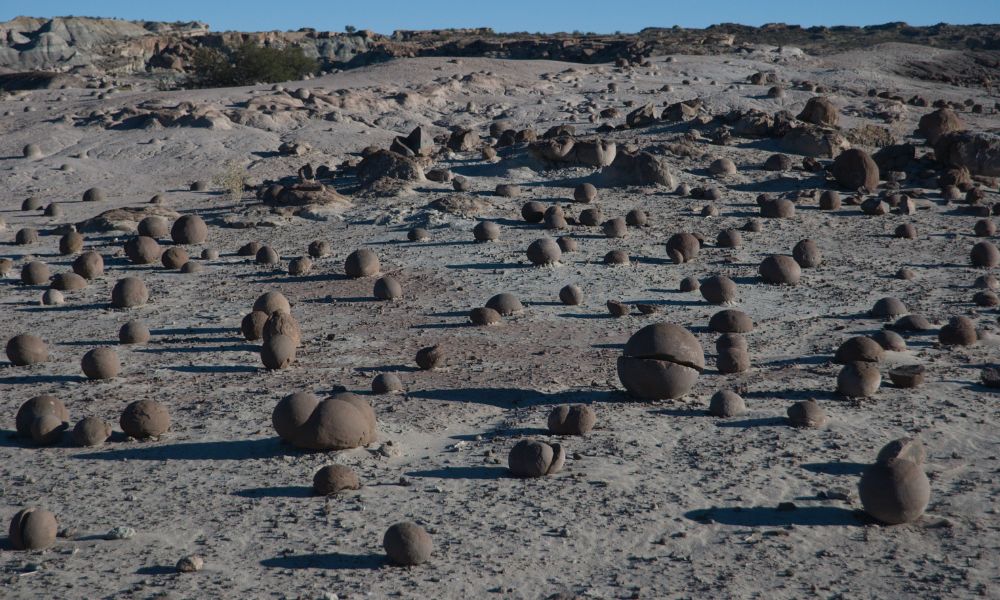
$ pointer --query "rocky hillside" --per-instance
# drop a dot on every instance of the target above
(96, 46)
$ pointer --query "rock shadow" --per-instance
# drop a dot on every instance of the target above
(217, 450)
(333, 560)
(766, 516)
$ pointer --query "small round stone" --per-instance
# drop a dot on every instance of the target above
(407, 544)
(332, 479)
(387, 383)
(726, 403)
(571, 295)
(486, 231)
(133, 332)
(101, 363)
(484, 316)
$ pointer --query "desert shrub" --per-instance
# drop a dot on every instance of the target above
(232, 179)
(248, 64)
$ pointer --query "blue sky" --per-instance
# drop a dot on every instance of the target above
(515, 15)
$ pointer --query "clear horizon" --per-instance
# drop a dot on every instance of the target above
(519, 15)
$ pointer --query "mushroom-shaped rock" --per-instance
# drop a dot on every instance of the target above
(332, 479)
(270, 302)
(91, 431)
(544, 251)
(33, 529)
(726, 403)
(189, 229)
(101, 363)
(958, 331)
(572, 419)
(407, 544)
(779, 269)
(339, 422)
(505, 303)
(533, 458)
(144, 419)
(129, 292)
(859, 380)
(807, 413)
(718, 289)
(26, 349)
(730, 321)
(858, 348)
(894, 492)
(854, 169)
(361, 263)
(36, 408)
(278, 352)
(660, 361)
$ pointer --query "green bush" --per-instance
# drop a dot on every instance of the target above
(248, 64)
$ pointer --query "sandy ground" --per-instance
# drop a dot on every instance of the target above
(659, 501)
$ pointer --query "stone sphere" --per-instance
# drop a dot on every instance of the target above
(91, 431)
(554, 218)
(575, 419)
(278, 352)
(718, 289)
(129, 292)
(533, 211)
(617, 309)
(506, 304)
(858, 349)
(418, 234)
(53, 297)
(319, 249)
(894, 492)
(67, 282)
(984, 228)
(532, 458)
(89, 265)
(339, 422)
(252, 326)
(958, 331)
(94, 194)
(301, 265)
(616, 257)
(154, 226)
(31, 151)
(282, 323)
(249, 249)
(730, 321)
(361, 263)
(33, 529)
(430, 357)
(780, 270)
(726, 403)
(777, 208)
(685, 245)
(387, 383)
(985, 254)
(690, 284)
(36, 408)
(174, 257)
(71, 243)
(486, 231)
(888, 308)
(636, 218)
(859, 380)
(807, 254)
(906, 448)
(571, 295)
(144, 419)
(387, 288)
(889, 340)
(615, 228)
(189, 229)
(660, 361)
(47, 430)
(807, 413)
(332, 479)
(407, 544)
(585, 192)
(484, 316)
(142, 250)
(829, 200)
(729, 238)
(722, 167)
(35, 273)
(266, 256)
(101, 363)
(26, 236)
(591, 217)
(854, 169)
(270, 302)
(26, 349)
